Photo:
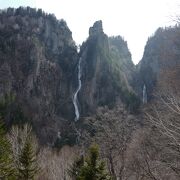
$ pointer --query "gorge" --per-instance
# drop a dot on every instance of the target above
(75, 98)
(48, 80)
(44, 78)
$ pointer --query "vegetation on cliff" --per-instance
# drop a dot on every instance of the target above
(38, 77)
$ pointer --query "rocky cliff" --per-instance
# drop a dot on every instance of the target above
(40, 66)
(107, 71)
(160, 65)
(37, 64)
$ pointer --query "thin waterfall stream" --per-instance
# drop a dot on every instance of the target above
(75, 97)
(144, 94)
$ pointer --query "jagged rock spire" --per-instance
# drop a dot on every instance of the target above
(96, 28)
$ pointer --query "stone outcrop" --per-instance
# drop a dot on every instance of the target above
(38, 58)
(160, 65)
(39, 65)
(105, 80)
(96, 29)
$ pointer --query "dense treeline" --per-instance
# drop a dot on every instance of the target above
(139, 147)
(32, 12)
(18, 158)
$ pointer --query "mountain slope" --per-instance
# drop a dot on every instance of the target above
(160, 65)
(107, 71)
(37, 64)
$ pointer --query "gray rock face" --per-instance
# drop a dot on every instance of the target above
(37, 64)
(105, 80)
(159, 67)
(96, 29)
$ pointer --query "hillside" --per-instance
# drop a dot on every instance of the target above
(39, 66)
(160, 65)
(74, 98)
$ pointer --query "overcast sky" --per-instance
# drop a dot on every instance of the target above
(135, 20)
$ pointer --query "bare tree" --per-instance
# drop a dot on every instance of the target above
(113, 129)
(54, 164)
(17, 137)
(165, 117)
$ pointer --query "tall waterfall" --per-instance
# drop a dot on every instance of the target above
(144, 94)
(75, 100)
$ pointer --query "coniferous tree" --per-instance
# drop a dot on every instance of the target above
(92, 168)
(7, 171)
(74, 169)
(28, 166)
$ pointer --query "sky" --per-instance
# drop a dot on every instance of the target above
(134, 20)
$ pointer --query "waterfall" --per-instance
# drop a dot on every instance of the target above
(75, 100)
(144, 94)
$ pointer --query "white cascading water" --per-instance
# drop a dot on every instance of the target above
(144, 94)
(75, 100)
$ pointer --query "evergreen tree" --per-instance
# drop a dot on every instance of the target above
(6, 105)
(74, 170)
(92, 168)
(10, 111)
(7, 172)
(28, 167)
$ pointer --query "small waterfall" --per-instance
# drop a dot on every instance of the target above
(75, 100)
(144, 94)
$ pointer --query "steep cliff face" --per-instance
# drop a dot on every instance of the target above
(160, 65)
(107, 71)
(37, 64)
